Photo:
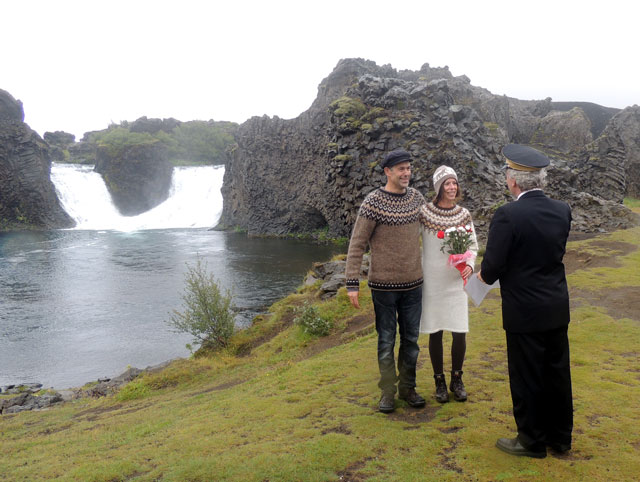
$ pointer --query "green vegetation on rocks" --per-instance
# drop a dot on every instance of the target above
(188, 143)
(278, 404)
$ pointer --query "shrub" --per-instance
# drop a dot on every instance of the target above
(208, 314)
(311, 322)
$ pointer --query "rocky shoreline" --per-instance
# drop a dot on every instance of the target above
(31, 396)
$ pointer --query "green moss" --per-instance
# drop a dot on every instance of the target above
(366, 127)
(372, 114)
(347, 107)
(343, 157)
(350, 124)
(492, 127)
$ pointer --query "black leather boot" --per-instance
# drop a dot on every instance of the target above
(442, 395)
(457, 387)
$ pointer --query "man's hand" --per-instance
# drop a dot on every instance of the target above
(353, 297)
(480, 277)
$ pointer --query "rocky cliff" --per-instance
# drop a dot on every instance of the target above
(27, 195)
(312, 172)
(138, 176)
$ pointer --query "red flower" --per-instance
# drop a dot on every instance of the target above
(440, 234)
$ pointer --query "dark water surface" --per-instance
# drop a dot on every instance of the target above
(79, 305)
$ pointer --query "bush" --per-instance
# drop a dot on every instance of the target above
(208, 314)
(311, 322)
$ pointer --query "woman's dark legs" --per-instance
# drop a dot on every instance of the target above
(458, 350)
(435, 352)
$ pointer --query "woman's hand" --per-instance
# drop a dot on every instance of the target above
(466, 272)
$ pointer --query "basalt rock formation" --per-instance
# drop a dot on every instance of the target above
(312, 172)
(27, 195)
(59, 144)
(138, 177)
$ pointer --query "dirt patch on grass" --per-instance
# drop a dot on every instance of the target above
(620, 303)
(415, 416)
(357, 326)
(217, 388)
(61, 428)
(575, 259)
(92, 414)
(350, 473)
(448, 458)
(342, 428)
(449, 429)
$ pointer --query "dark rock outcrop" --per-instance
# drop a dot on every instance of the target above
(313, 172)
(331, 275)
(138, 177)
(59, 144)
(27, 401)
(27, 196)
(143, 124)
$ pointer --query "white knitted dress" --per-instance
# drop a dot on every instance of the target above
(444, 302)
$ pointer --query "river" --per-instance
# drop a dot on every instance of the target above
(81, 304)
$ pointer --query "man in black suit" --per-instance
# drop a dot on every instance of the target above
(525, 246)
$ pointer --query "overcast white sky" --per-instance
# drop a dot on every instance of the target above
(80, 65)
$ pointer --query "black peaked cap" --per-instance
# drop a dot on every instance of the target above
(525, 156)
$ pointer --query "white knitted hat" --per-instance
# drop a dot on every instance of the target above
(441, 175)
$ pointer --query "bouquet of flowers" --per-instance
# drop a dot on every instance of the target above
(456, 242)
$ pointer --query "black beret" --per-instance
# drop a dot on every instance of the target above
(524, 158)
(395, 157)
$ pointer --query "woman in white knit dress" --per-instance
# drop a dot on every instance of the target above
(444, 303)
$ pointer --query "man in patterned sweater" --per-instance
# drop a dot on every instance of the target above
(388, 222)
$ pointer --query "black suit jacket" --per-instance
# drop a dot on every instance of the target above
(526, 244)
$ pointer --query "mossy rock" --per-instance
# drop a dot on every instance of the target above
(373, 114)
(343, 157)
(347, 107)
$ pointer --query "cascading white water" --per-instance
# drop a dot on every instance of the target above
(194, 201)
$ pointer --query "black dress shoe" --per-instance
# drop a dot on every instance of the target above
(412, 398)
(559, 448)
(387, 402)
(513, 446)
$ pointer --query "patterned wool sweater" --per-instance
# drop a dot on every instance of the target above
(444, 302)
(389, 223)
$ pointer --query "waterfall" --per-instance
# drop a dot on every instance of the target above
(194, 200)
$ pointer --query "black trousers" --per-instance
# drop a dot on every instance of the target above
(540, 381)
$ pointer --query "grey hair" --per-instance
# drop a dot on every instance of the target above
(529, 180)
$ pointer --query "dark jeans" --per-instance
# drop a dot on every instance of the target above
(402, 308)
(540, 380)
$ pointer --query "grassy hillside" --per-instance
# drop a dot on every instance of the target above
(280, 405)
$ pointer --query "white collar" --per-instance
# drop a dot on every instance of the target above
(525, 192)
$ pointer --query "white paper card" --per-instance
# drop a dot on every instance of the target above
(477, 290)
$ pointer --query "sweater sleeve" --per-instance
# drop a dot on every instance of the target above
(362, 231)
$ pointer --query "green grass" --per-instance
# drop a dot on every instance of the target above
(281, 405)
(633, 204)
